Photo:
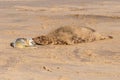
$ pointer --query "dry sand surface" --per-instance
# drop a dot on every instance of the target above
(99, 60)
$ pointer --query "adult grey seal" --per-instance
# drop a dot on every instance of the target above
(68, 35)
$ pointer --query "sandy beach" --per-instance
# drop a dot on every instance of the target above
(98, 60)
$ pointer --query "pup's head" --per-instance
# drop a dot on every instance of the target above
(22, 43)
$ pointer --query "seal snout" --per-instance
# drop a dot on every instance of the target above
(12, 44)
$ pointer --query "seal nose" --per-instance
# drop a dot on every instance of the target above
(12, 44)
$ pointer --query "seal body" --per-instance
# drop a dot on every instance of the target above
(22, 43)
(68, 35)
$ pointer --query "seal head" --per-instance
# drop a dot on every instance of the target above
(22, 43)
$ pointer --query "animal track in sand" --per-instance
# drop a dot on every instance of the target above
(69, 35)
(45, 68)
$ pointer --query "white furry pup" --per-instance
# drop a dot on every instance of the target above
(22, 43)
